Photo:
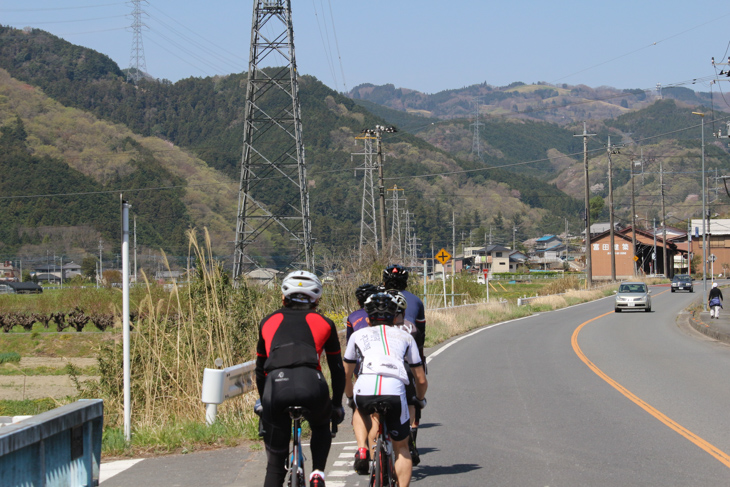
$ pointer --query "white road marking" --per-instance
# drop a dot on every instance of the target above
(340, 473)
(110, 469)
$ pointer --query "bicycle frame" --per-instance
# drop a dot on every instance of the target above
(382, 465)
(296, 457)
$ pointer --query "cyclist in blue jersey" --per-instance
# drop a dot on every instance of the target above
(358, 319)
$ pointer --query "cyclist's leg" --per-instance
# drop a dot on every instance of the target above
(277, 424)
(399, 427)
(361, 425)
(403, 464)
(314, 395)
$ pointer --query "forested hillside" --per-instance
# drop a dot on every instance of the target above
(205, 115)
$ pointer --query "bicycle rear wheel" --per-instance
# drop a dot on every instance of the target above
(376, 473)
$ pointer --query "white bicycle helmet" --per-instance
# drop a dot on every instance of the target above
(402, 303)
(301, 287)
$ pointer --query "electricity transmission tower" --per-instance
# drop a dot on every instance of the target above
(368, 216)
(137, 63)
(273, 195)
(396, 229)
(476, 145)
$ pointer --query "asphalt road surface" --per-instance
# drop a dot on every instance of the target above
(575, 397)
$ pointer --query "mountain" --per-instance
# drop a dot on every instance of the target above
(199, 120)
(560, 104)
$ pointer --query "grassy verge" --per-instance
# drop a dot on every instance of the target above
(54, 344)
(29, 407)
(12, 369)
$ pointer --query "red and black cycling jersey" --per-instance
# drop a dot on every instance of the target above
(294, 338)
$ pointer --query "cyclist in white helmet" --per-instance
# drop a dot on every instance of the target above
(288, 373)
(384, 349)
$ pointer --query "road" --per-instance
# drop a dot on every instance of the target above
(575, 397)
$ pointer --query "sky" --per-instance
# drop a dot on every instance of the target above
(423, 45)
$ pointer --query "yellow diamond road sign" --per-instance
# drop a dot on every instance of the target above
(636, 257)
(443, 256)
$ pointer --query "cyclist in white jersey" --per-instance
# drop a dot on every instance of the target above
(383, 377)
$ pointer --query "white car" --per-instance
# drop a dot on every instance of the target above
(633, 295)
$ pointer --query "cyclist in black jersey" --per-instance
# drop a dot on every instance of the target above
(288, 373)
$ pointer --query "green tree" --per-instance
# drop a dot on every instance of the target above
(88, 267)
(597, 206)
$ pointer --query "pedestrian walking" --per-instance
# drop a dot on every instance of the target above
(715, 301)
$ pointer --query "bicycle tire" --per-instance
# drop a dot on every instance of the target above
(296, 469)
(376, 476)
(392, 478)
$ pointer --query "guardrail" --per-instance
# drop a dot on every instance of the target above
(222, 384)
(55, 448)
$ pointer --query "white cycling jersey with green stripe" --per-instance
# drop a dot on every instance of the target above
(383, 350)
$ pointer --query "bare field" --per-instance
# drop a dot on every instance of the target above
(18, 388)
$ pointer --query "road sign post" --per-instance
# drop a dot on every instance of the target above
(486, 281)
(443, 256)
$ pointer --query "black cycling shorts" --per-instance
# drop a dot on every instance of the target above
(396, 429)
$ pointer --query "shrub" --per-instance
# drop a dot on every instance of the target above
(7, 357)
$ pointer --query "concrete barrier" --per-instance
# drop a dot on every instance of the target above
(61, 447)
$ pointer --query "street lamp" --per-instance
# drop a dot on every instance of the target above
(704, 246)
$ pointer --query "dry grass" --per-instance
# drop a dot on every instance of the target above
(444, 324)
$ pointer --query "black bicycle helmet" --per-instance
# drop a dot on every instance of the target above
(381, 308)
(364, 291)
(395, 277)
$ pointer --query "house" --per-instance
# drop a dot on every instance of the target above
(71, 270)
(547, 242)
(494, 257)
(599, 228)
(8, 272)
(516, 259)
(264, 276)
(717, 240)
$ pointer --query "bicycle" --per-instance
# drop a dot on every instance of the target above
(295, 460)
(382, 464)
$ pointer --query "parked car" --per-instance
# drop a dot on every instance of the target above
(633, 295)
(682, 282)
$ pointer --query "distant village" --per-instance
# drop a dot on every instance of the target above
(557, 253)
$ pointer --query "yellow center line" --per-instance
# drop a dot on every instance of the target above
(706, 446)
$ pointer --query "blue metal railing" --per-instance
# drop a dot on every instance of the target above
(61, 447)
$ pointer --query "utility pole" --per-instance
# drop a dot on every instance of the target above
(589, 271)
(135, 250)
(664, 220)
(653, 255)
(378, 132)
(704, 215)
(101, 267)
(453, 246)
(610, 209)
(633, 212)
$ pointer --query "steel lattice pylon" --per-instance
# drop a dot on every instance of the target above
(396, 231)
(137, 63)
(273, 192)
(368, 215)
